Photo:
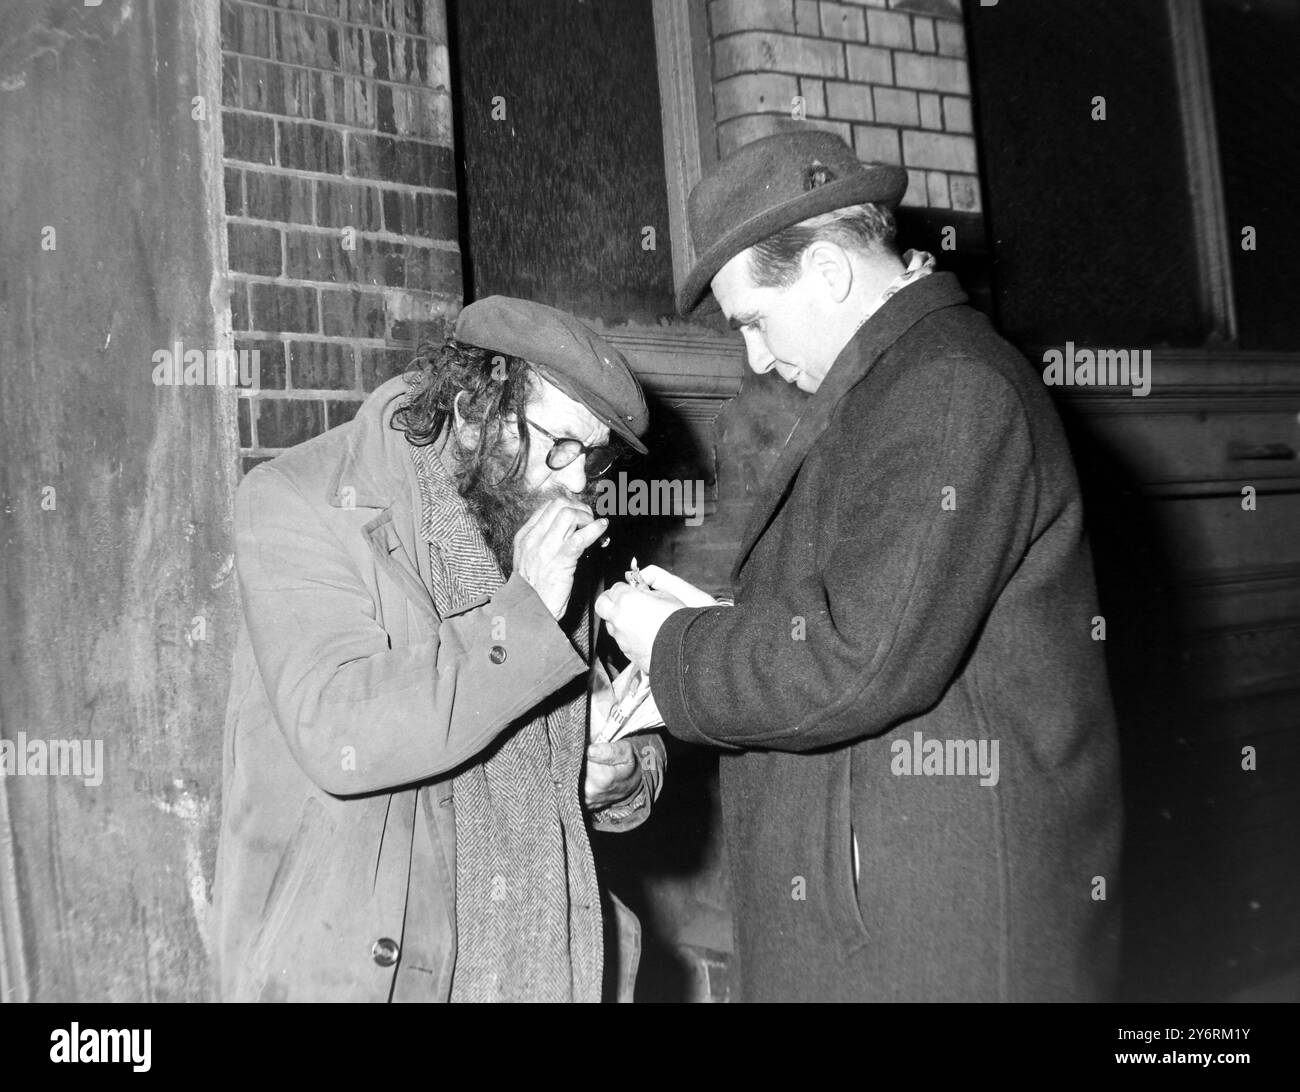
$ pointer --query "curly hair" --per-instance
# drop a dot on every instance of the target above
(496, 387)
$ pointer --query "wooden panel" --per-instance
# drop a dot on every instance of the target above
(1199, 447)
(1092, 230)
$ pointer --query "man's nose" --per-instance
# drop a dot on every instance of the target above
(760, 357)
(574, 476)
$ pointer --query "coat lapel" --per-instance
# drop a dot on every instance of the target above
(896, 316)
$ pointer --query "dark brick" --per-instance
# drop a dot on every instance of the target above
(419, 267)
(361, 11)
(436, 216)
(389, 159)
(230, 81)
(384, 108)
(310, 147)
(254, 249)
(358, 103)
(399, 212)
(419, 116)
(341, 205)
(229, 25)
(334, 91)
(245, 422)
(432, 269)
(355, 49)
(248, 137)
(352, 314)
(270, 360)
(239, 305)
(404, 60)
(250, 461)
(322, 365)
(421, 59)
(337, 410)
(385, 263)
(381, 51)
(284, 309)
(335, 9)
(434, 331)
(294, 40)
(379, 365)
(301, 39)
(250, 30)
(283, 422)
(234, 180)
(305, 93)
(316, 256)
(261, 86)
(279, 197)
(402, 15)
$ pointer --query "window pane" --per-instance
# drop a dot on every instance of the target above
(559, 193)
(1090, 219)
(1254, 48)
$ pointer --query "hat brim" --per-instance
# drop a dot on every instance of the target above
(883, 184)
(603, 411)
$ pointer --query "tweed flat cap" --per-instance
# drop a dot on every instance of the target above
(771, 184)
(566, 353)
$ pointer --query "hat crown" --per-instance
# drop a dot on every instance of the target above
(783, 165)
(564, 351)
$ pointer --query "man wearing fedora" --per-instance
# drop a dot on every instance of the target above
(919, 763)
(407, 776)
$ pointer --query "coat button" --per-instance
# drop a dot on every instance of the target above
(497, 655)
(385, 951)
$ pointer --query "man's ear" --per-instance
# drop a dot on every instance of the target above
(832, 264)
(466, 433)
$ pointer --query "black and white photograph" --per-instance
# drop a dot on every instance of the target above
(652, 501)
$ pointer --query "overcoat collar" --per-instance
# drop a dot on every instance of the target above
(374, 470)
(896, 316)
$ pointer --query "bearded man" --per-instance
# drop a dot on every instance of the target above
(407, 779)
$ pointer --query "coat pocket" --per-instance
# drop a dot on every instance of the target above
(300, 873)
(840, 863)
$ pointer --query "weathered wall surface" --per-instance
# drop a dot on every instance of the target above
(118, 603)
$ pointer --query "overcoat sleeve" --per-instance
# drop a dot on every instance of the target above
(358, 715)
(870, 616)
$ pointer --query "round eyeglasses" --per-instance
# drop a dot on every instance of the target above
(564, 449)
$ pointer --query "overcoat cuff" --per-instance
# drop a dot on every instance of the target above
(669, 668)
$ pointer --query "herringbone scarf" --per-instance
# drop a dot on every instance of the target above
(527, 905)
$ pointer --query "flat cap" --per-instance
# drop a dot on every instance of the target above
(565, 352)
(771, 184)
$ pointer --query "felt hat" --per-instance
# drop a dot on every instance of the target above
(769, 185)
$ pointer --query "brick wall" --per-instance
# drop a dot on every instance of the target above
(340, 202)
(889, 76)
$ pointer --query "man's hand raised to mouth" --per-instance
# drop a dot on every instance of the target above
(548, 546)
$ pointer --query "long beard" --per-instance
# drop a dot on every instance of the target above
(502, 506)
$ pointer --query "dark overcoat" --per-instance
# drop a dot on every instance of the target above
(914, 585)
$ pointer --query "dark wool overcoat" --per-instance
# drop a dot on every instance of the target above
(914, 586)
